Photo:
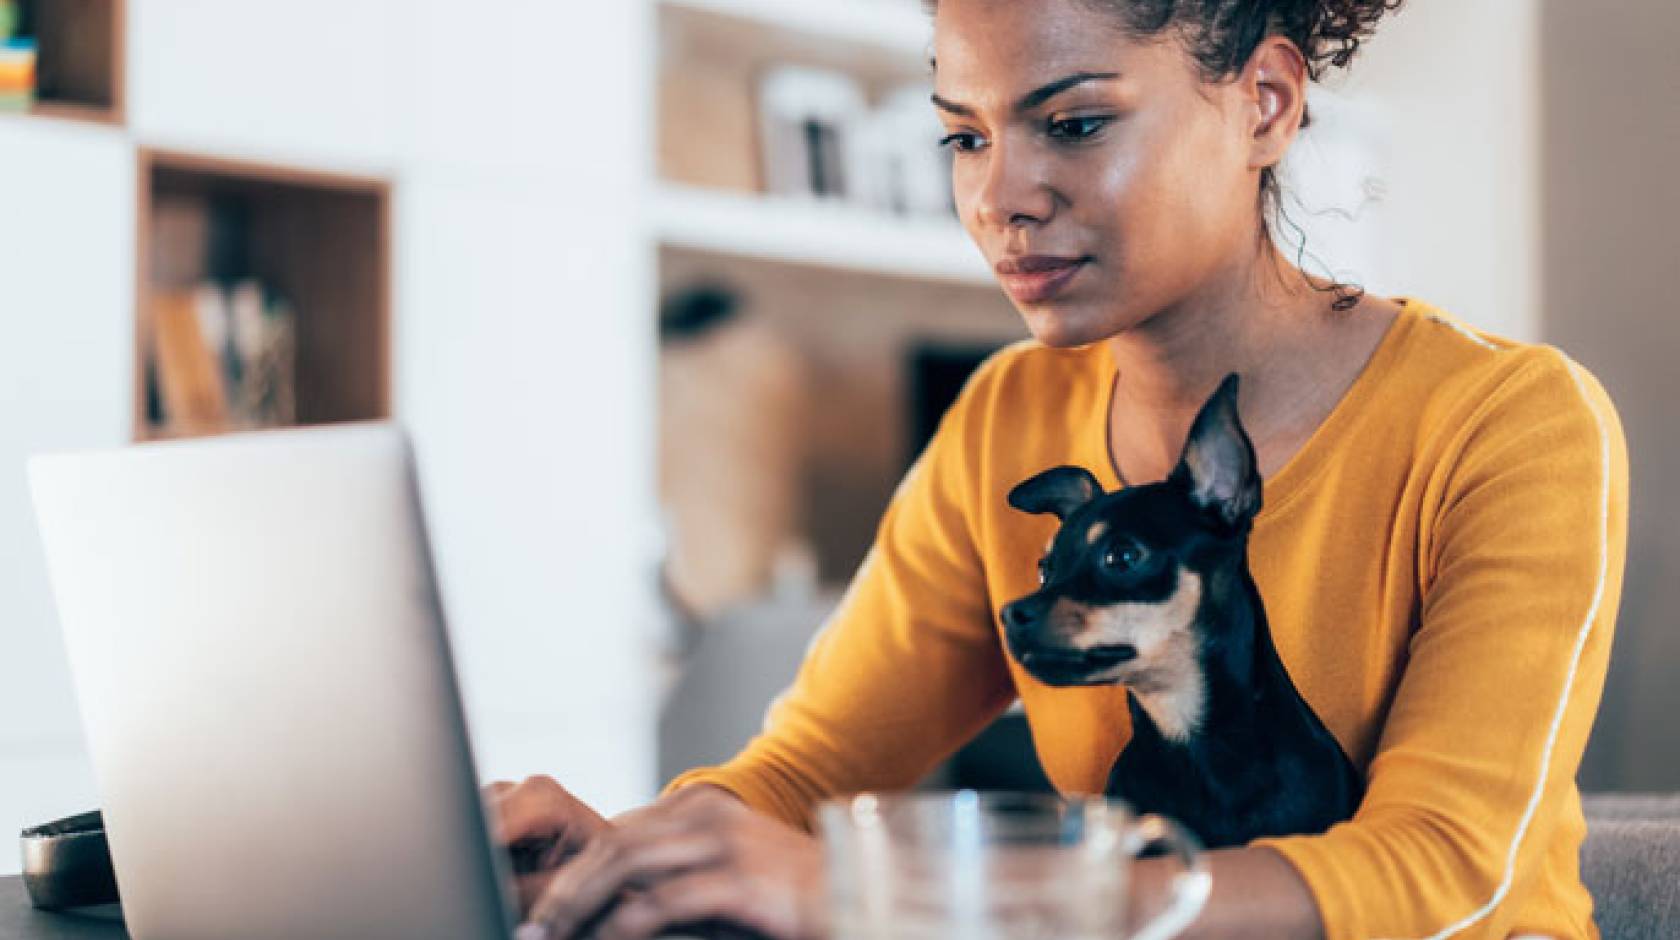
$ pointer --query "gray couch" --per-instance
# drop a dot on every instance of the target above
(1631, 864)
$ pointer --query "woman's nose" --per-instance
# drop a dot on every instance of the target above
(1012, 191)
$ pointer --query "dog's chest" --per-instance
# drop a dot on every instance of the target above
(1237, 786)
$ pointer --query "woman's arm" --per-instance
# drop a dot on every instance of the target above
(1256, 894)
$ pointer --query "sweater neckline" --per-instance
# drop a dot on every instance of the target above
(1284, 486)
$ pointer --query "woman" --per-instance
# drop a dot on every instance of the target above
(1440, 549)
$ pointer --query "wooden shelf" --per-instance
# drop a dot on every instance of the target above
(323, 241)
(895, 26)
(71, 111)
(811, 232)
(79, 59)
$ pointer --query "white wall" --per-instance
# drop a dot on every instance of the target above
(528, 401)
(518, 146)
(66, 381)
(526, 368)
(316, 80)
(1445, 101)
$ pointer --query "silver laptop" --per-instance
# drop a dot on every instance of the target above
(266, 687)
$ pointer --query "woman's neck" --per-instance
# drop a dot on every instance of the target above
(1267, 324)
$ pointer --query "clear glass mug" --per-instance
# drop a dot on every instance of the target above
(919, 866)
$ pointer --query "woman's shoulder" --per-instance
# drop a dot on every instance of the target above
(1444, 351)
(1459, 380)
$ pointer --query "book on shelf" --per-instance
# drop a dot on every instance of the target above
(223, 359)
(188, 377)
(17, 59)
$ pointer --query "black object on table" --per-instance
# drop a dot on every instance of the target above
(20, 921)
(67, 863)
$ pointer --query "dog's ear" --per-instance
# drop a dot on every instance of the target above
(1061, 490)
(1218, 468)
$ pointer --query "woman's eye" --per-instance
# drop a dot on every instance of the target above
(1078, 128)
(961, 142)
(1124, 558)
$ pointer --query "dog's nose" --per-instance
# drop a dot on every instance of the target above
(1012, 616)
(1023, 613)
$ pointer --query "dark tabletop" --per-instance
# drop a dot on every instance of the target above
(19, 921)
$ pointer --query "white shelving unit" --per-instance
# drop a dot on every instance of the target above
(817, 233)
(895, 26)
(808, 266)
(880, 41)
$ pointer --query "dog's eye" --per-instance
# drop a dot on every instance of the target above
(1044, 569)
(1124, 558)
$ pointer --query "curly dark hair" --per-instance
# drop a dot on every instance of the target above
(1222, 35)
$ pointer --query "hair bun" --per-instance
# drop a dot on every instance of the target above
(1329, 32)
(1222, 34)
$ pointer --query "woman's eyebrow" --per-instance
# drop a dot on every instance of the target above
(1037, 96)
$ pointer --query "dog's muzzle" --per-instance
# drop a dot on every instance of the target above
(1055, 664)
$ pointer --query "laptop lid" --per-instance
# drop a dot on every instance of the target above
(266, 688)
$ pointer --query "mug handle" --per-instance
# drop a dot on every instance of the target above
(1190, 887)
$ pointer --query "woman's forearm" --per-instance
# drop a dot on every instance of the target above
(1256, 893)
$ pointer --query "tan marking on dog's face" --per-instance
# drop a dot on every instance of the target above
(1165, 676)
(1145, 625)
(1096, 532)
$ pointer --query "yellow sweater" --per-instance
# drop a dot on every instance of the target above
(1440, 563)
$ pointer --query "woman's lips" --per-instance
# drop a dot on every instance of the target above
(1036, 279)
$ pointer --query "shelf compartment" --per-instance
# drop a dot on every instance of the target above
(79, 58)
(321, 240)
(817, 233)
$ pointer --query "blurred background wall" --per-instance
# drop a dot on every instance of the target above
(1610, 197)
(580, 251)
(1455, 88)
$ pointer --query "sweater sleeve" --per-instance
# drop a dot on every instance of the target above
(1475, 768)
(906, 669)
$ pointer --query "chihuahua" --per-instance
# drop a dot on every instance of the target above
(1148, 587)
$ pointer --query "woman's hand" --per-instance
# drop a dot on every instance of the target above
(541, 825)
(697, 856)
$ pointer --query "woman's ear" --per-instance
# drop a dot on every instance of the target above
(1275, 81)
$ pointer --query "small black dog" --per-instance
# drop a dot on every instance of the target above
(1149, 587)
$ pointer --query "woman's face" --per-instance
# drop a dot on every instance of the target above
(1101, 176)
